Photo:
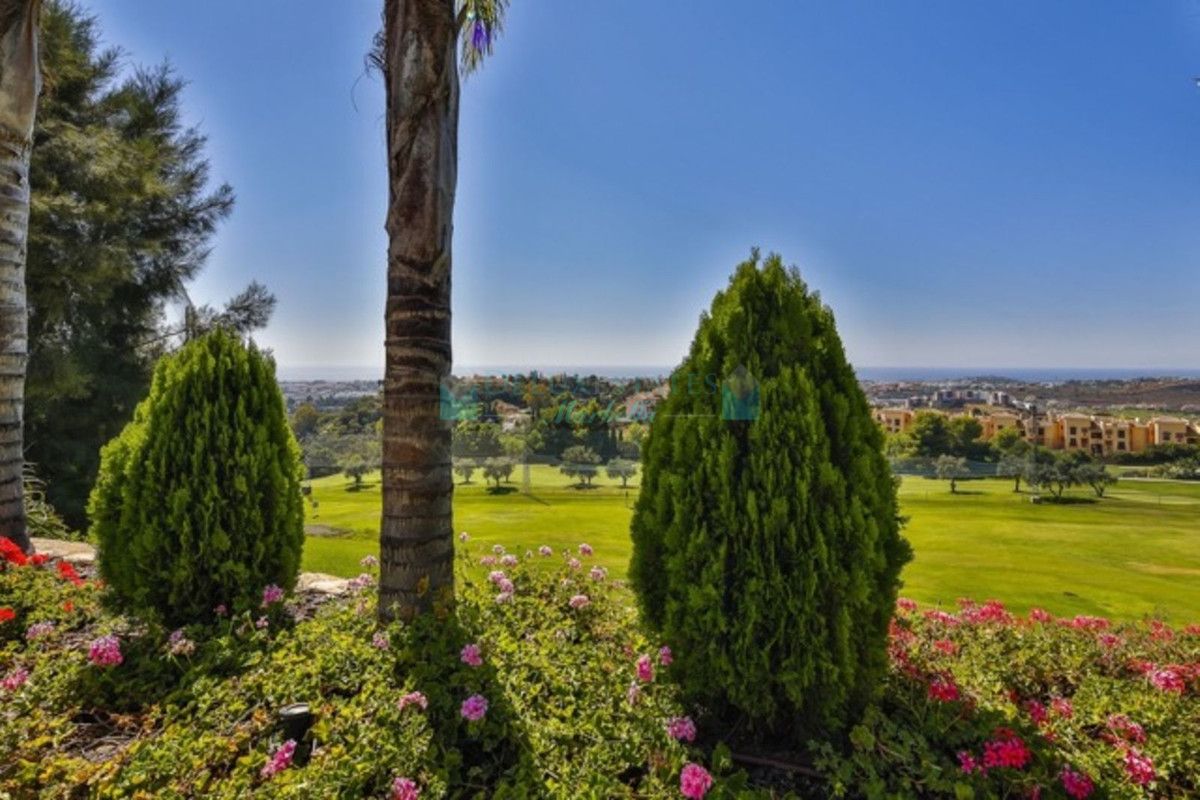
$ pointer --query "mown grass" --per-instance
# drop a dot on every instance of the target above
(553, 513)
(1134, 552)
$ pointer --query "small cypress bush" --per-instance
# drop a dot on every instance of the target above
(766, 541)
(198, 499)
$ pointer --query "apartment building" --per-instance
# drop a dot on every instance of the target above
(894, 420)
(1088, 433)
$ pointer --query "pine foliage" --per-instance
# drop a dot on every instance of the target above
(767, 546)
(198, 501)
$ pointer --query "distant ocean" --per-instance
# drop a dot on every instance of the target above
(1031, 374)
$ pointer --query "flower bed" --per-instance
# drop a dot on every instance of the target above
(980, 703)
(542, 683)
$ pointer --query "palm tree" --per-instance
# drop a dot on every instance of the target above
(417, 53)
(20, 83)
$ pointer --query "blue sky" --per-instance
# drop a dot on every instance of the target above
(967, 184)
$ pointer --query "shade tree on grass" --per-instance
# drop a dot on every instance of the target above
(581, 463)
(621, 469)
(464, 468)
(953, 469)
(1096, 476)
(498, 469)
(355, 469)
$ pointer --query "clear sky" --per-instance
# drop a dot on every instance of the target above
(967, 183)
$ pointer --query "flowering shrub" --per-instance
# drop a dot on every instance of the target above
(981, 703)
(525, 698)
(532, 698)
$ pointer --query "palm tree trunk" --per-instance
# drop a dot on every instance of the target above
(20, 82)
(416, 539)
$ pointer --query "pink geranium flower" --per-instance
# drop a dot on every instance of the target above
(1076, 784)
(380, 641)
(1138, 767)
(474, 708)
(38, 630)
(574, 563)
(645, 669)
(280, 760)
(14, 680)
(105, 652)
(945, 646)
(1166, 680)
(579, 601)
(1086, 623)
(1006, 750)
(585, 549)
(694, 781)
(664, 656)
(906, 605)
(405, 789)
(413, 699)
(1126, 729)
(509, 560)
(681, 729)
(471, 656)
(545, 550)
(271, 594)
(943, 689)
(1062, 707)
(598, 573)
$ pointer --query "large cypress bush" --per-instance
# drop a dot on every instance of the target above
(198, 500)
(766, 539)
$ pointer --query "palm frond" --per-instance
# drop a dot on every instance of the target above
(480, 23)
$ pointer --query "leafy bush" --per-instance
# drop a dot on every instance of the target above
(567, 715)
(978, 703)
(198, 501)
(981, 703)
(41, 519)
(766, 539)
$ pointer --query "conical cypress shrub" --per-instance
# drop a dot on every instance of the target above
(766, 541)
(198, 500)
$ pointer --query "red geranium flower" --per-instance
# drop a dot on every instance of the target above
(68, 573)
(12, 554)
(6, 614)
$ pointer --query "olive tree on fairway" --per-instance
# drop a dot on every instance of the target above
(621, 469)
(767, 546)
(953, 469)
(581, 463)
(418, 55)
(20, 82)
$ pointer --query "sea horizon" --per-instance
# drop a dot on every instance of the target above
(339, 373)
